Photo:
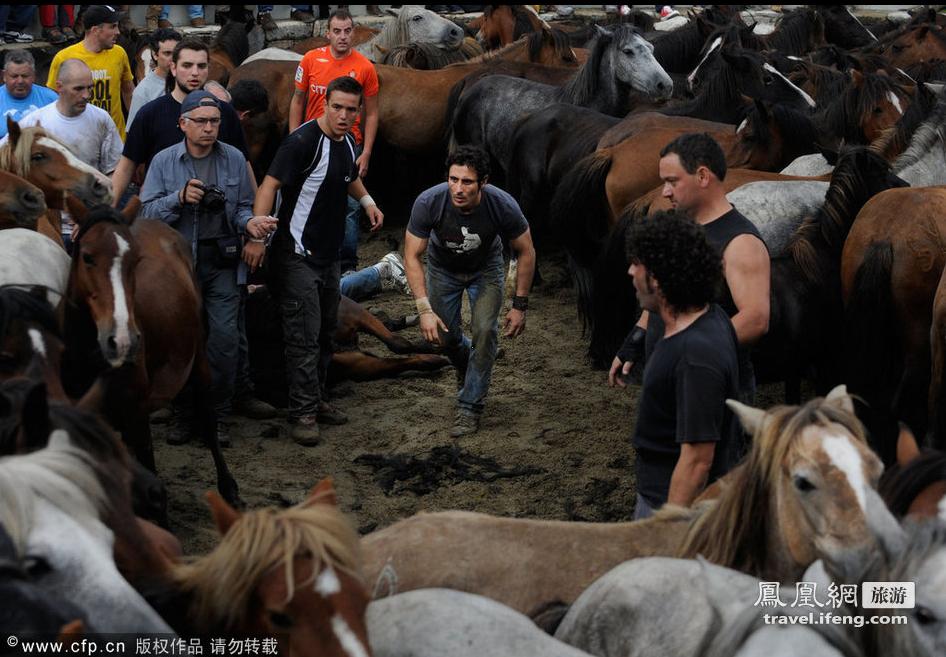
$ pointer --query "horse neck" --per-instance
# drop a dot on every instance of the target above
(393, 34)
(718, 101)
(596, 87)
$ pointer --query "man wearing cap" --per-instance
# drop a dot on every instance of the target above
(19, 94)
(316, 170)
(157, 126)
(112, 81)
(202, 188)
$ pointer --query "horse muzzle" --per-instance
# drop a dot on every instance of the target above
(119, 347)
(94, 190)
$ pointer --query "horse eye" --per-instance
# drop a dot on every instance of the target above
(88, 259)
(36, 566)
(768, 79)
(878, 110)
(924, 616)
(280, 620)
(417, 18)
(803, 484)
(629, 52)
(37, 157)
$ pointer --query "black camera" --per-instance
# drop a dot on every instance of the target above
(214, 200)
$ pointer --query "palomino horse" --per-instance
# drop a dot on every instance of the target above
(135, 307)
(765, 522)
(53, 503)
(46, 162)
(503, 24)
(292, 573)
(21, 203)
(413, 23)
(621, 63)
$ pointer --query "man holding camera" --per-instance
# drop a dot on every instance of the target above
(202, 188)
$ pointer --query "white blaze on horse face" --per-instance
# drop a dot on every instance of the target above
(941, 508)
(892, 97)
(327, 583)
(847, 459)
(861, 24)
(36, 338)
(121, 313)
(742, 126)
(350, 642)
(71, 159)
(692, 75)
(808, 99)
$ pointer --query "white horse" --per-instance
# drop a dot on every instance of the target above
(29, 258)
(438, 622)
(413, 24)
(51, 503)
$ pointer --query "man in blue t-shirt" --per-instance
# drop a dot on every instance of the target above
(19, 95)
(461, 225)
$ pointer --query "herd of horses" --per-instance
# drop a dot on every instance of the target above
(91, 343)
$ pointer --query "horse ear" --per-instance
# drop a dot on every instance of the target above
(752, 419)
(225, 516)
(35, 414)
(76, 208)
(839, 397)
(322, 493)
(907, 449)
(13, 129)
(131, 209)
(934, 87)
(71, 630)
(857, 78)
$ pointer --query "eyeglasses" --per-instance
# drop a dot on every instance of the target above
(203, 122)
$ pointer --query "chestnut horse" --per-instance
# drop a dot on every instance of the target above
(135, 309)
(504, 24)
(21, 203)
(915, 485)
(294, 574)
(34, 154)
(764, 521)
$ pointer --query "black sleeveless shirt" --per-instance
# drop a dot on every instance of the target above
(719, 233)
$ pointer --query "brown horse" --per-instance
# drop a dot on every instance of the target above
(46, 162)
(917, 45)
(21, 203)
(228, 50)
(916, 484)
(290, 573)
(766, 521)
(891, 269)
(135, 308)
(504, 24)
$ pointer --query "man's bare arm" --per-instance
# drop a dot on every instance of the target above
(296, 109)
(747, 269)
(691, 472)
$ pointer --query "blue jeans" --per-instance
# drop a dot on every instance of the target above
(18, 17)
(221, 296)
(362, 284)
(265, 9)
(193, 11)
(348, 253)
(642, 510)
(476, 357)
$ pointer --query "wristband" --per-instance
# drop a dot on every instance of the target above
(366, 201)
(520, 303)
(633, 347)
(423, 306)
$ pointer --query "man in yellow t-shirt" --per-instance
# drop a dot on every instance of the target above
(112, 82)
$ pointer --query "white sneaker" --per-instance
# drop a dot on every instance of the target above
(393, 276)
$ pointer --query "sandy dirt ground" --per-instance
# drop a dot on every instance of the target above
(554, 440)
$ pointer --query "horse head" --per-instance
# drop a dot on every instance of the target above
(757, 79)
(630, 59)
(293, 573)
(820, 475)
(425, 26)
(49, 164)
(21, 202)
(103, 281)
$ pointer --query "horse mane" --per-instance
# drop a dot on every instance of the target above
(727, 640)
(932, 130)
(716, 97)
(232, 40)
(17, 160)
(60, 474)
(395, 33)
(677, 49)
(796, 31)
(100, 214)
(896, 138)
(26, 306)
(833, 220)
(734, 531)
(843, 117)
(900, 484)
(829, 83)
(558, 40)
(222, 583)
(791, 122)
(584, 87)
(430, 56)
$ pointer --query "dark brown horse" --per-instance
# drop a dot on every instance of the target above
(914, 486)
(134, 307)
(504, 24)
(228, 50)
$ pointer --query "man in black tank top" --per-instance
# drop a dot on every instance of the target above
(693, 168)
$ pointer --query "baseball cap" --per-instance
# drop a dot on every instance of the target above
(98, 14)
(199, 98)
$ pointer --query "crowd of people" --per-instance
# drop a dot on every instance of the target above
(183, 151)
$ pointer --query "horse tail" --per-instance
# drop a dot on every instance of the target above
(872, 347)
(614, 305)
(579, 219)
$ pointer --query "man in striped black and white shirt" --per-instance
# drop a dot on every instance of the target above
(316, 171)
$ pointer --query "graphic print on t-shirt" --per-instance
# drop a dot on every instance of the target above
(471, 242)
